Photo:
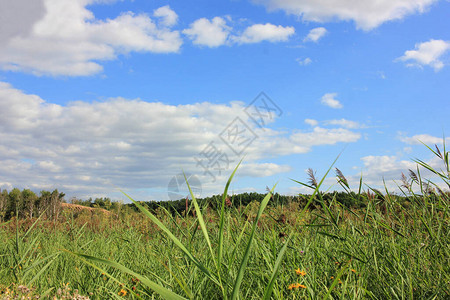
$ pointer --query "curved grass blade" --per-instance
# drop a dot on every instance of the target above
(336, 280)
(222, 217)
(244, 262)
(276, 268)
(164, 292)
(174, 239)
(202, 224)
(50, 258)
(200, 219)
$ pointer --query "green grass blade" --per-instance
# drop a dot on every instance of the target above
(222, 217)
(276, 268)
(201, 221)
(336, 280)
(244, 262)
(43, 269)
(202, 224)
(164, 292)
(174, 239)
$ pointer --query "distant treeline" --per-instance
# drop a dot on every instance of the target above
(214, 202)
(27, 204)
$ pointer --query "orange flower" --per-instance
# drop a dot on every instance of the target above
(122, 292)
(300, 272)
(353, 270)
(296, 286)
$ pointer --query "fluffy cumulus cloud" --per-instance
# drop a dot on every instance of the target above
(169, 17)
(216, 32)
(423, 138)
(367, 14)
(262, 169)
(311, 122)
(65, 38)
(427, 54)
(390, 168)
(315, 34)
(88, 149)
(21, 22)
(385, 171)
(386, 166)
(375, 169)
(330, 100)
(208, 33)
(265, 32)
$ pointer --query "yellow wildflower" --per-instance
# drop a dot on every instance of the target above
(296, 286)
(300, 272)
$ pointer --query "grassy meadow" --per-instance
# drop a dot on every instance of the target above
(393, 247)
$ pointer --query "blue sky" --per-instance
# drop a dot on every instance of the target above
(101, 95)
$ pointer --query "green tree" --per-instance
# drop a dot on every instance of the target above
(15, 203)
(29, 202)
(51, 203)
(3, 204)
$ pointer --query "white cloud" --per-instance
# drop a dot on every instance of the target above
(169, 17)
(315, 34)
(21, 22)
(344, 123)
(375, 169)
(423, 138)
(48, 146)
(367, 14)
(311, 122)
(304, 62)
(68, 40)
(262, 169)
(265, 32)
(330, 101)
(427, 54)
(325, 136)
(390, 166)
(212, 33)
(216, 33)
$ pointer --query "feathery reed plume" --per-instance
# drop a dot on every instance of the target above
(438, 152)
(413, 176)
(341, 177)
(312, 177)
(405, 182)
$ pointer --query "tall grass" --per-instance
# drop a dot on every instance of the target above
(393, 248)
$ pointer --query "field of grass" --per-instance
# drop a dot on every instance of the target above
(389, 249)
